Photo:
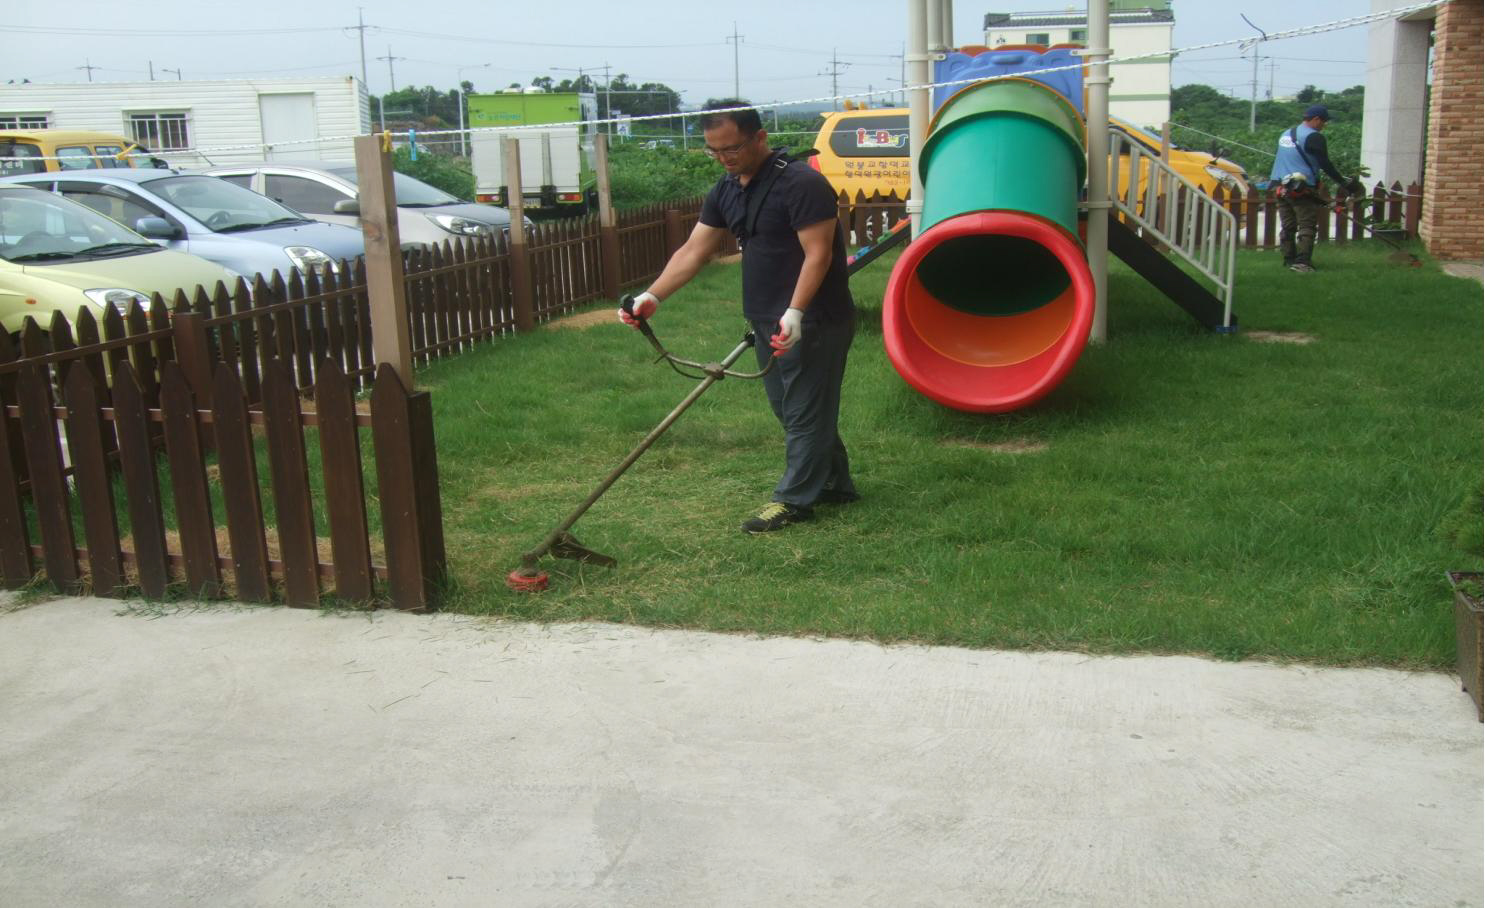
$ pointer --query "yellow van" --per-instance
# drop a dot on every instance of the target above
(41, 150)
(866, 151)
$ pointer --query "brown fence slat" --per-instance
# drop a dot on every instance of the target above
(183, 450)
(141, 482)
(293, 507)
(238, 467)
(48, 490)
(8, 354)
(16, 564)
(94, 486)
(345, 496)
(408, 572)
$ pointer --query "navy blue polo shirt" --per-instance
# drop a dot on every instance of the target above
(772, 257)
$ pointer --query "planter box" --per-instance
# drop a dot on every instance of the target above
(1467, 633)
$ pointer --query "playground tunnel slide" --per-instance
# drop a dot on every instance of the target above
(990, 305)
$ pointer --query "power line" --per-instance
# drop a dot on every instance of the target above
(834, 73)
(151, 32)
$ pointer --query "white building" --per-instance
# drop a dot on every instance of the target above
(1140, 92)
(1392, 135)
(218, 122)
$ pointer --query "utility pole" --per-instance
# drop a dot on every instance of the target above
(391, 76)
(152, 70)
(834, 74)
(88, 65)
(178, 76)
(1271, 65)
(736, 40)
(1253, 101)
(902, 82)
(361, 30)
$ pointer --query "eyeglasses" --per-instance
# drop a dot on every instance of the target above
(730, 152)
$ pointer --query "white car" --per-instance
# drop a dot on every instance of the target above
(426, 215)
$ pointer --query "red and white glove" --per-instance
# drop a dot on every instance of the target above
(791, 330)
(645, 305)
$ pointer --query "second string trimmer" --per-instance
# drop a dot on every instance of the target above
(560, 543)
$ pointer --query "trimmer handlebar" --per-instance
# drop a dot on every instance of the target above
(626, 302)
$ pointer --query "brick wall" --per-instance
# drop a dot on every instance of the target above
(1453, 214)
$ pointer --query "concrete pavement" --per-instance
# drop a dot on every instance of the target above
(280, 757)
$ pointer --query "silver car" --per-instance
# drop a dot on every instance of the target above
(426, 215)
(205, 216)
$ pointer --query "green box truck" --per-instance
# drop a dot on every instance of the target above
(557, 175)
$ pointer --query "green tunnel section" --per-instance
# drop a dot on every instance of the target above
(1003, 145)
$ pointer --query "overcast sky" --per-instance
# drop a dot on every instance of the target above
(784, 53)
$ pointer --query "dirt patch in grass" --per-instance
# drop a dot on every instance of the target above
(585, 319)
(1281, 337)
(1012, 446)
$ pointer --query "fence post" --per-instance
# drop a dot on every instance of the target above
(386, 288)
(675, 238)
(520, 263)
(608, 231)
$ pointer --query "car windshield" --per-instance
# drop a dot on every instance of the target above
(222, 206)
(37, 227)
(411, 193)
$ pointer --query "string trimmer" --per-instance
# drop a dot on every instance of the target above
(560, 543)
(1399, 254)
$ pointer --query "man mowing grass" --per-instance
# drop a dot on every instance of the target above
(795, 293)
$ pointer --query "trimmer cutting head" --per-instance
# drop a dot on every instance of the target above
(526, 580)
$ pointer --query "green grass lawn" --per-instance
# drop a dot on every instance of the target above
(1180, 492)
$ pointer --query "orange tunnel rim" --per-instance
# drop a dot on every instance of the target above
(986, 388)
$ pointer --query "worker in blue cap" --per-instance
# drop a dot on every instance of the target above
(1297, 167)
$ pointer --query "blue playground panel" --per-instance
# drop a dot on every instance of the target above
(1067, 82)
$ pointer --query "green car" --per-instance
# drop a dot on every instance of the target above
(59, 256)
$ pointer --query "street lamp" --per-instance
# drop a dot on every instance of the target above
(459, 87)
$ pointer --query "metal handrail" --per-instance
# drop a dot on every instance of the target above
(1206, 234)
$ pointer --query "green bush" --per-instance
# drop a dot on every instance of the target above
(646, 176)
(452, 175)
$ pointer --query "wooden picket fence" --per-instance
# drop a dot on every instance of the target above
(1257, 214)
(866, 219)
(130, 398)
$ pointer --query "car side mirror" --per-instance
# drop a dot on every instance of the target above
(157, 229)
(348, 206)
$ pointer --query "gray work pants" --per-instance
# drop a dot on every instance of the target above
(804, 390)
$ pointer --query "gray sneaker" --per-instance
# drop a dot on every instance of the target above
(1301, 267)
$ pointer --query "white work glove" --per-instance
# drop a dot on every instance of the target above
(645, 305)
(791, 329)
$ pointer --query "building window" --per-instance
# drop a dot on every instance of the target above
(23, 121)
(159, 131)
(1078, 35)
(1038, 38)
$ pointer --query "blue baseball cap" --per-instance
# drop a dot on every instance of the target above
(1317, 110)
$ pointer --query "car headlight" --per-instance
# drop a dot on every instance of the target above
(462, 226)
(117, 297)
(1226, 178)
(308, 258)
